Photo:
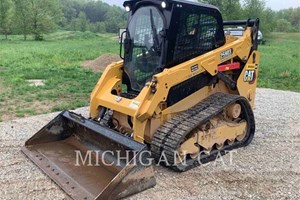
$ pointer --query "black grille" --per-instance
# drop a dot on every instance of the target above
(197, 35)
(188, 87)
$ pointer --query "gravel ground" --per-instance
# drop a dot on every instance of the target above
(267, 169)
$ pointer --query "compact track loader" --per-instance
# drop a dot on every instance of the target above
(184, 93)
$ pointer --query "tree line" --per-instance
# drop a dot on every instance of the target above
(38, 17)
(286, 20)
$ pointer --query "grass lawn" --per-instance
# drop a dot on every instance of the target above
(58, 59)
(280, 62)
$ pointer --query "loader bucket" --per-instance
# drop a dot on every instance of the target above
(89, 161)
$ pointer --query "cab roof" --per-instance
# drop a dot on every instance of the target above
(181, 2)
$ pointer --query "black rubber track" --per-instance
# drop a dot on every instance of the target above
(171, 134)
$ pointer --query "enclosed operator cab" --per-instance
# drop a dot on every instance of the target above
(162, 34)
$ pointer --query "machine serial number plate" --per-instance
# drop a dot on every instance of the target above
(226, 53)
(194, 68)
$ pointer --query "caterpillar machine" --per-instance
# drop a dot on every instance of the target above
(184, 92)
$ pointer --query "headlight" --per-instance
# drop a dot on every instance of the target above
(127, 8)
(163, 4)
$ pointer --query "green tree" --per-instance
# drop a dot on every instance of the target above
(254, 8)
(291, 15)
(230, 9)
(6, 17)
(44, 16)
(79, 24)
(114, 19)
(36, 17)
(92, 15)
(268, 21)
(96, 10)
(82, 22)
(257, 9)
(283, 25)
(71, 9)
(98, 27)
(22, 18)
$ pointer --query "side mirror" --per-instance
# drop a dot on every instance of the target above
(121, 41)
(121, 31)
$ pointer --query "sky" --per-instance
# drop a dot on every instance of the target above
(273, 4)
(281, 4)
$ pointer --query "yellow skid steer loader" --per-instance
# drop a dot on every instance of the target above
(182, 95)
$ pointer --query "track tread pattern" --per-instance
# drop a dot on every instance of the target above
(169, 136)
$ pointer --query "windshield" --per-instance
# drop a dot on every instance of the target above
(143, 56)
